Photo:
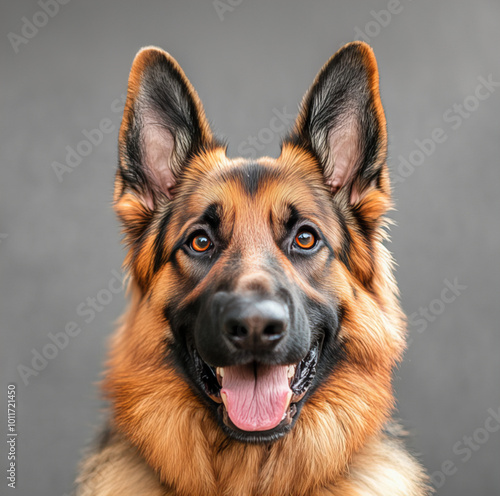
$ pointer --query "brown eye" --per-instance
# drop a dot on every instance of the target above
(201, 243)
(305, 240)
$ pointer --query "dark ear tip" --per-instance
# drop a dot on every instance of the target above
(145, 57)
(359, 51)
(150, 56)
(357, 45)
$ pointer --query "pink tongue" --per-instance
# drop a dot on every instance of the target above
(256, 403)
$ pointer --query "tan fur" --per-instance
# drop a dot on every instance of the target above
(165, 441)
(118, 470)
(381, 468)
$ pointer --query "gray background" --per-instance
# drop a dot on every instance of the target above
(59, 241)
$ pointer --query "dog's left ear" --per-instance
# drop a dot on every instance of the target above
(163, 126)
(343, 123)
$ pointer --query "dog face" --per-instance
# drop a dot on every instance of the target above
(261, 289)
(253, 247)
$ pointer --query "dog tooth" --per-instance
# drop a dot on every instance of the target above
(220, 371)
(224, 398)
(297, 397)
(288, 401)
(291, 371)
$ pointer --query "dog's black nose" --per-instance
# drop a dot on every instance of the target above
(254, 325)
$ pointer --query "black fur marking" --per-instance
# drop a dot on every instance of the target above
(211, 216)
(293, 218)
(327, 321)
(131, 170)
(180, 243)
(159, 242)
(366, 227)
(345, 246)
(367, 230)
(326, 242)
(251, 176)
(271, 221)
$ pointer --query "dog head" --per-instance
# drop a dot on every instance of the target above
(262, 292)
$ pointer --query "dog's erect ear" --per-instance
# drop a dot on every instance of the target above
(342, 121)
(163, 125)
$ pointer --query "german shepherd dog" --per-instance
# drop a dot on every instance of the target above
(255, 358)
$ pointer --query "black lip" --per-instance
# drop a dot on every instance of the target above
(258, 436)
(301, 386)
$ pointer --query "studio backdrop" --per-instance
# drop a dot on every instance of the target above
(63, 81)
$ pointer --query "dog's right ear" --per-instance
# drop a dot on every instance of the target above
(163, 126)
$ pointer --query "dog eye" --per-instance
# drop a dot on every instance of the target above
(200, 243)
(305, 239)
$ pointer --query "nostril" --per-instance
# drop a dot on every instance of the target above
(274, 330)
(237, 330)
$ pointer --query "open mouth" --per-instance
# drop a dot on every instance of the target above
(255, 397)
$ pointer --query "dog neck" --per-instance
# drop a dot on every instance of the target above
(380, 468)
